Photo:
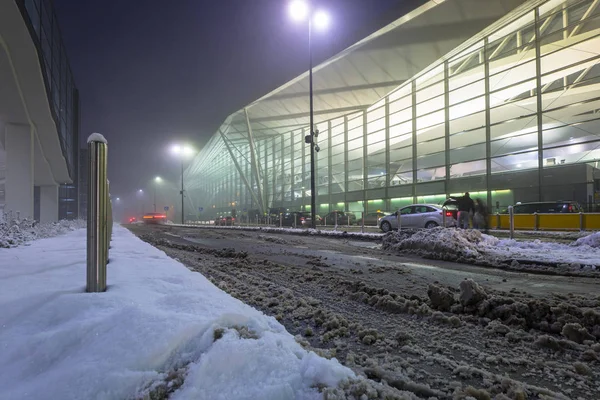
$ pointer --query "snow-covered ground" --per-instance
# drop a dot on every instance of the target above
(473, 246)
(14, 232)
(159, 329)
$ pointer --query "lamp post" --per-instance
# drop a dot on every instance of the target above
(157, 180)
(140, 193)
(182, 152)
(301, 10)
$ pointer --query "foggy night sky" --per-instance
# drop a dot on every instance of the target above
(155, 72)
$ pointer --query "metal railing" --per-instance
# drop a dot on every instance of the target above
(99, 214)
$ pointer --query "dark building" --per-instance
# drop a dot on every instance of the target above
(83, 183)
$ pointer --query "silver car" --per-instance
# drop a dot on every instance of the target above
(417, 216)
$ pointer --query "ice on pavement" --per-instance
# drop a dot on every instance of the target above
(156, 320)
(461, 245)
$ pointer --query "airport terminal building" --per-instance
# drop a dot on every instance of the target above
(498, 97)
(39, 115)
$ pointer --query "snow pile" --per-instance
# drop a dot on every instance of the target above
(160, 331)
(14, 232)
(472, 246)
(592, 240)
(451, 244)
(294, 231)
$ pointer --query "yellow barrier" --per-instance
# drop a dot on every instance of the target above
(549, 222)
(591, 222)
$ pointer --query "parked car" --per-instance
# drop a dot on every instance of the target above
(417, 216)
(132, 220)
(342, 218)
(546, 207)
(227, 221)
(294, 217)
(372, 218)
(451, 206)
(154, 218)
(308, 219)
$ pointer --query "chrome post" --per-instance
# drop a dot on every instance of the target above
(97, 226)
(399, 221)
(511, 221)
(536, 221)
(581, 221)
(362, 226)
(444, 216)
(335, 227)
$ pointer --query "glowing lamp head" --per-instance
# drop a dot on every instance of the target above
(321, 20)
(298, 10)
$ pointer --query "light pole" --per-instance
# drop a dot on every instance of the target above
(182, 152)
(157, 180)
(301, 10)
(140, 193)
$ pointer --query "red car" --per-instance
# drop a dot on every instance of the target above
(132, 220)
(155, 218)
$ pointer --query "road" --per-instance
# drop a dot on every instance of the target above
(371, 310)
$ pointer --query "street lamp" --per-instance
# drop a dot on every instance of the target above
(182, 152)
(157, 181)
(302, 11)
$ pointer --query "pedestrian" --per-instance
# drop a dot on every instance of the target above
(481, 218)
(466, 207)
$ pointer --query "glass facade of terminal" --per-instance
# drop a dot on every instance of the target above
(60, 86)
(513, 115)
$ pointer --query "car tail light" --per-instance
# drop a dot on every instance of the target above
(570, 207)
(301, 218)
(233, 219)
(448, 214)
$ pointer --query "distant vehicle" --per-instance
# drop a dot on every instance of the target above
(546, 207)
(132, 220)
(228, 221)
(372, 218)
(417, 216)
(294, 217)
(342, 218)
(308, 219)
(154, 218)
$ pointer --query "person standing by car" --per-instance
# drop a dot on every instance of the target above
(480, 219)
(466, 206)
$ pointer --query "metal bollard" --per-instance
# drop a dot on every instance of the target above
(536, 221)
(281, 220)
(399, 220)
(581, 222)
(335, 226)
(295, 215)
(97, 214)
(348, 220)
(325, 221)
(362, 226)
(498, 224)
(511, 221)
(444, 217)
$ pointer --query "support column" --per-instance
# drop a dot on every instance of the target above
(19, 170)
(48, 203)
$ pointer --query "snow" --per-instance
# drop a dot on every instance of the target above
(14, 232)
(592, 240)
(97, 137)
(461, 245)
(157, 320)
